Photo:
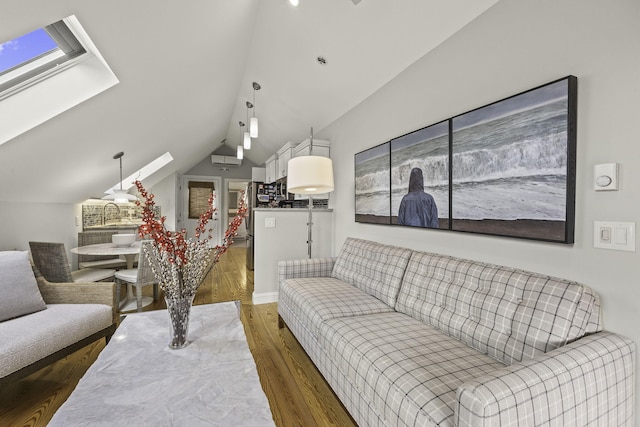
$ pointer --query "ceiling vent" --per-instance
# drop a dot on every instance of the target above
(225, 160)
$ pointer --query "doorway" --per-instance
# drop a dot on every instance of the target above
(233, 192)
(195, 192)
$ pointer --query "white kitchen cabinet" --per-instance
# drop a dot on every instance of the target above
(320, 148)
(284, 155)
(258, 174)
(271, 166)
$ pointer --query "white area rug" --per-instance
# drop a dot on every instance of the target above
(138, 380)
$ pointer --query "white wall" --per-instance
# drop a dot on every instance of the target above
(21, 223)
(515, 46)
(165, 193)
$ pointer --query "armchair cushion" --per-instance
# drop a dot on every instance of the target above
(18, 286)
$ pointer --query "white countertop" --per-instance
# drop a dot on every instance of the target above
(291, 210)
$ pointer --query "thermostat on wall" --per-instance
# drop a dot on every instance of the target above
(605, 177)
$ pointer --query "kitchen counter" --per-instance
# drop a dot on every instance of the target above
(112, 227)
(291, 210)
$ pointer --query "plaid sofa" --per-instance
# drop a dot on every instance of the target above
(410, 338)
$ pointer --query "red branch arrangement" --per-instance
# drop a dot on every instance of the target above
(179, 263)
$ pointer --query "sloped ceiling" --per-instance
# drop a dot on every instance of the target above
(186, 70)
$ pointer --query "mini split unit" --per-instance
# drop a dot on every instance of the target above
(225, 160)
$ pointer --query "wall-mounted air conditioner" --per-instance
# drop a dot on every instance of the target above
(225, 160)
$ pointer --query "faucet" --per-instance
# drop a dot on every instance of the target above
(104, 208)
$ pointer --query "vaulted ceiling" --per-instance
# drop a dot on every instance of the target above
(186, 71)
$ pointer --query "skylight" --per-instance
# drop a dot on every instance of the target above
(35, 54)
(24, 49)
(142, 173)
(45, 73)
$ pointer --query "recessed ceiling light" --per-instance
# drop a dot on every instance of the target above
(294, 3)
(322, 60)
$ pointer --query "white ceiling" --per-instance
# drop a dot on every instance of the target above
(186, 70)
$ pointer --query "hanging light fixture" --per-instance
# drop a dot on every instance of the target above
(120, 195)
(253, 124)
(247, 137)
(310, 175)
(240, 150)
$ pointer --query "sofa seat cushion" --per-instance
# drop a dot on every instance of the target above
(509, 314)
(27, 339)
(375, 268)
(18, 287)
(316, 299)
(409, 371)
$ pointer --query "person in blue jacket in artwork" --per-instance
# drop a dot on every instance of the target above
(417, 208)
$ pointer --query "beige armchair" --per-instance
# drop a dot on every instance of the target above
(78, 293)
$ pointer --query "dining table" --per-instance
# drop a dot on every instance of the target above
(109, 249)
(129, 253)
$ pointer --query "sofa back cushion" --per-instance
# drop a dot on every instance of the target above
(19, 292)
(374, 268)
(508, 314)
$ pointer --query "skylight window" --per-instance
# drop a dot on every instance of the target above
(36, 54)
(47, 72)
(30, 47)
(142, 173)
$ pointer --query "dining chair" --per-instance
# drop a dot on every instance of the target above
(98, 261)
(51, 261)
(139, 277)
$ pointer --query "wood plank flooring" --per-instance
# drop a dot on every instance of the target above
(297, 392)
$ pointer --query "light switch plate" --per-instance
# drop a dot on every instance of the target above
(617, 236)
(269, 223)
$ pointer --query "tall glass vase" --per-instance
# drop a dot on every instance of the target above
(179, 310)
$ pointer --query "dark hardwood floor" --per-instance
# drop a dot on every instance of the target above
(297, 393)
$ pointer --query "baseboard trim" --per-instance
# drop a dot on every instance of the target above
(264, 298)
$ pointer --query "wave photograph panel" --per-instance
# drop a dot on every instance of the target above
(510, 163)
(373, 185)
(420, 177)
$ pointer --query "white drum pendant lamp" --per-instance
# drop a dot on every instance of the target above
(310, 175)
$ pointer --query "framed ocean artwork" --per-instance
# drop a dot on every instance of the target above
(372, 185)
(513, 165)
(420, 178)
(505, 169)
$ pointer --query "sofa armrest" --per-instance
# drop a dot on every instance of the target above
(79, 293)
(296, 268)
(587, 382)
